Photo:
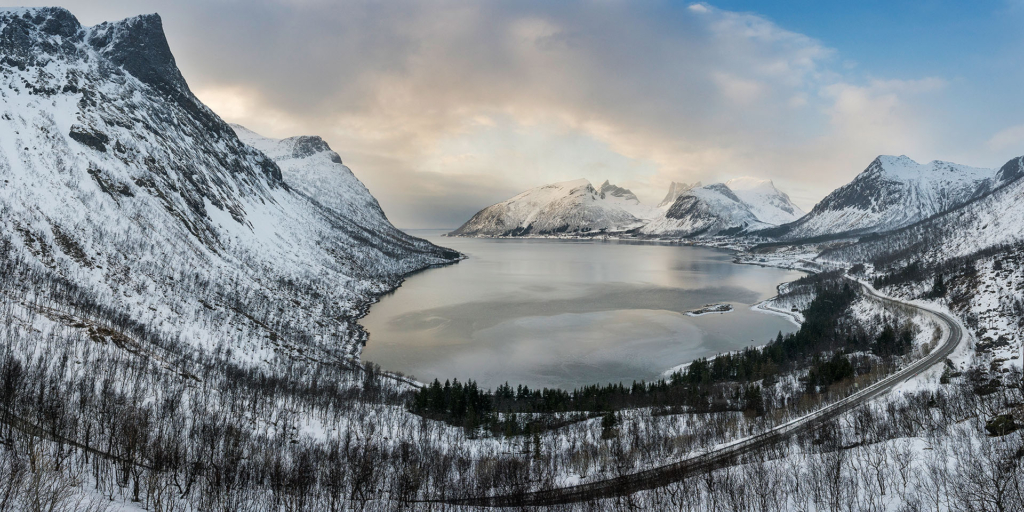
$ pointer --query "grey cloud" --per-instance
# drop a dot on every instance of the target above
(697, 95)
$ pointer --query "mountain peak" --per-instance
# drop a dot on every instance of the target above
(33, 36)
(892, 192)
(904, 168)
(675, 190)
(571, 184)
(567, 207)
(139, 46)
(54, 21)
(307, 145)
(1010, 171)
(607, 189)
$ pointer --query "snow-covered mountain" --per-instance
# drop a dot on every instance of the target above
(565, 207)
(116, 179)
(978, 250)
(309, 166)
(768, 204)
(993, 220)
(675, 190)
(737, 206)
(891, 193)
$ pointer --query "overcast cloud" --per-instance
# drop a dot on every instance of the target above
(443, 108)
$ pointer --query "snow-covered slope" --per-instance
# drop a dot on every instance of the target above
(309, 166)
(113, 176)
(768, 204)
(566, 207)
(978, 250)
(740, 205)
(989, 221)
(891, 193)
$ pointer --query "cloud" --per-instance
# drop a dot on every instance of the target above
(738, 90)
(878, 114)
(443, 108)
(248, 107)
(1008, 138)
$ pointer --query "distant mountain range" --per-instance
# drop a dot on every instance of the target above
(576, 207)
(893, 192)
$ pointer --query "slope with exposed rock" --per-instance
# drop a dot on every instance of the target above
(891, 193)
(739, 206)
(116, 178)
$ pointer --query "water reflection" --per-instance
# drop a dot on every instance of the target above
(558, 313)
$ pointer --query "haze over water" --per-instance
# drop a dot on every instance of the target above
(561, 313)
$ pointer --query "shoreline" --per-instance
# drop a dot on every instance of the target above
(736, 251)
(362, 336)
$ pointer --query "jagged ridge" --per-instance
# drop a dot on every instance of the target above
(738, 206)
(117, 178)
(890, 193)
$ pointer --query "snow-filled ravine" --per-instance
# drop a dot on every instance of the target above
(565, 313)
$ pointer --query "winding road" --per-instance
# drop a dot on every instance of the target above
(677, 471)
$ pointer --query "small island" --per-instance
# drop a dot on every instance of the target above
(709, 309)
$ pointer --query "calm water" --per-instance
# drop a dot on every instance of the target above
(567, 313)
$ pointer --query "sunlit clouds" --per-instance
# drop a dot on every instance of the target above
(443, 108)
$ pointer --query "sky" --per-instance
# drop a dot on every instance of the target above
(443, 108)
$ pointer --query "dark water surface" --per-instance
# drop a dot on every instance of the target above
(568, 313)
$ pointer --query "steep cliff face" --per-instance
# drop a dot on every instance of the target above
(115, 177)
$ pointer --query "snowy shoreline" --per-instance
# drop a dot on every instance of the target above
(710, 309)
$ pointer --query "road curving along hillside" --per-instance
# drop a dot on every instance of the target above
(674, 472)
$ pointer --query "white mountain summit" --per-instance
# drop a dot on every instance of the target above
(893, 192)
(737, 206)
(565, 207)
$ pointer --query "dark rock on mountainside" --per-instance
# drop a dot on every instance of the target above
(306, 145)
(93, 139)
(1010, 171)
(892, 192)
(687, 206)
(129, 187)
